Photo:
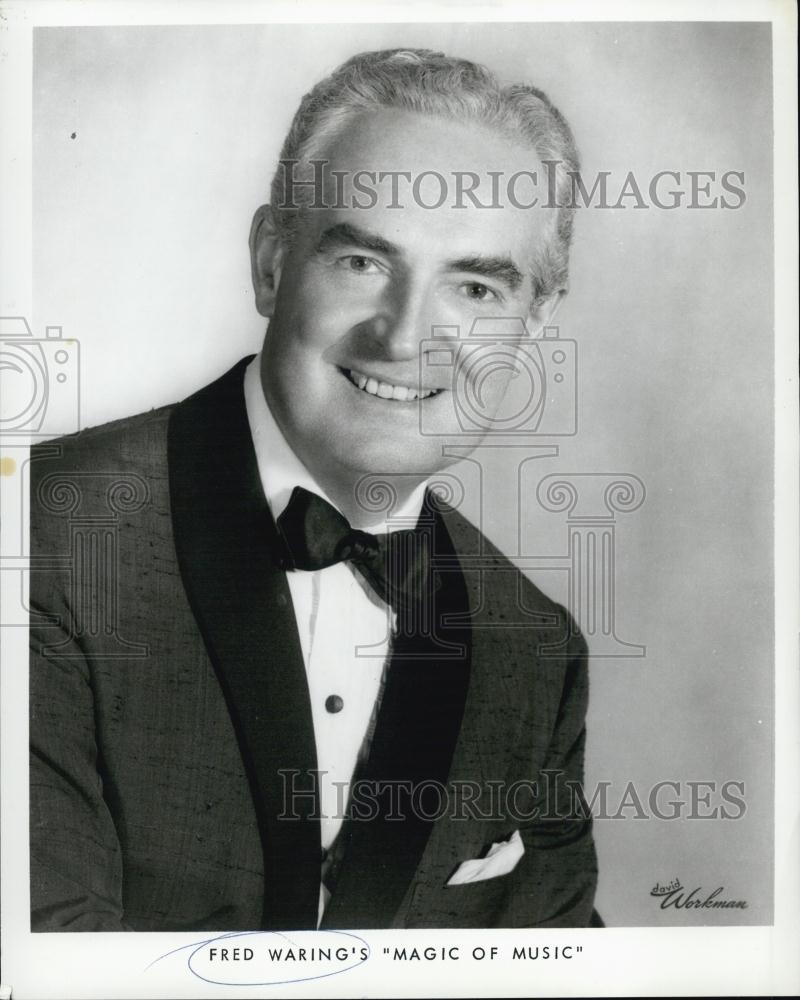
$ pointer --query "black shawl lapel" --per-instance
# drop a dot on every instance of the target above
(491, 725)
(225, 540)
(391, 815)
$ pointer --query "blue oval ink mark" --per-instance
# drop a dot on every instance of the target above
(287, 946)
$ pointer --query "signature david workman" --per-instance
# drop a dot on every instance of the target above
(674, 894)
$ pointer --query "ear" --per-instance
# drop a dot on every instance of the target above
(545, 310)
(266, 259)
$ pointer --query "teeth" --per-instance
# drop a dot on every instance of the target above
(387, 391)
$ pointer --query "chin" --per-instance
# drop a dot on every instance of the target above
(376, 460)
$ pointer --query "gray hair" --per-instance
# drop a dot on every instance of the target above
(431, 83)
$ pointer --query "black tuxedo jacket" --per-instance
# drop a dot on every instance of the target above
(172, 747)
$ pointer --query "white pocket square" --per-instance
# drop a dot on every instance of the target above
(500, 860)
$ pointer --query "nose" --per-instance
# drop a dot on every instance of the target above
(403, 320)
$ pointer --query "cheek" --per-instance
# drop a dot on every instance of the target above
(299, 334)
(315, 314)
(483, 379)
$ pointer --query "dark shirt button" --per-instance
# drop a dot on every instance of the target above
(324, 854)
(334, 703)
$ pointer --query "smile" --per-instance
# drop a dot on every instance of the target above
(387, 390)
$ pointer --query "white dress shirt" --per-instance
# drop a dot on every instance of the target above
(344, 627)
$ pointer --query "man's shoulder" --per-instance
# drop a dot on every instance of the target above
(113, 470)
(478, 554)
(135, 443)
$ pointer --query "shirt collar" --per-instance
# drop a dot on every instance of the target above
(281, 470)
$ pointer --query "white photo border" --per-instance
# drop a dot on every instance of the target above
(614, 962)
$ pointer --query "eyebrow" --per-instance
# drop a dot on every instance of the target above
(500, 268)
(343, 234)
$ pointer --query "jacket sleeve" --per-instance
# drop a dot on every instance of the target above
(76, 869)
(560, 864)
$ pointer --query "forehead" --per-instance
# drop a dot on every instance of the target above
(422, 169)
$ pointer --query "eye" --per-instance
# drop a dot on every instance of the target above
(359, 263)
(478, 292)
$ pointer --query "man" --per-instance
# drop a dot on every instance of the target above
(275, 682)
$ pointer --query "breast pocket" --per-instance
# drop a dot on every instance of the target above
(470, 904)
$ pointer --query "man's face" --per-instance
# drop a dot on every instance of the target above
(345, 365)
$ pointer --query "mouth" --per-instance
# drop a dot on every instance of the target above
(387, 390)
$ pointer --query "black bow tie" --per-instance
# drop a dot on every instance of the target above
(317, 535)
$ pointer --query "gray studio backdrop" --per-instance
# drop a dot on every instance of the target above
(152, 147)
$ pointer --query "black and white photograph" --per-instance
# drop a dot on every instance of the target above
(399, 482)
